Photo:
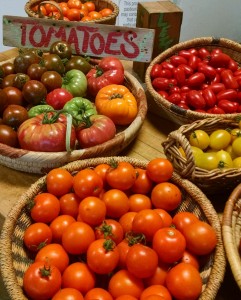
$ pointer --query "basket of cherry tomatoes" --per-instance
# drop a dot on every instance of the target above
(207, 152)
(197, 79)
(231, 232)
(113, 228)
(53, 113)
(97, 11)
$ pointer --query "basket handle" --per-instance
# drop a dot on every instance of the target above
(55, 4)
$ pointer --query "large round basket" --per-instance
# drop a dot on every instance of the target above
(42, 162)
(175, 113)
(208, 181)
(99, 4)
(14, 260)
(231, 230)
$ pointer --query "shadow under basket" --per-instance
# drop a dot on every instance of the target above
(173, 112)
(14, 258)
(99, 4)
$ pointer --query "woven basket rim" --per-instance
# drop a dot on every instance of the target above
(6, 263)
(192, 43)
(106, 19)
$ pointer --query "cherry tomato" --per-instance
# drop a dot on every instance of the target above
(177, 60)
(111, 229)
(59, 182)
(236, 145)
(34, 92)
(207, 161)
(58, 225)
(161, 83)
(228, 106)
(159, 169)
(117, 203)
(143, 184)
(14, 115)
(227, 94)
(207, 70)
(199, 138)
(69, 204)
(219, 60)
(183, 219)
(229, 80)
(220, 139)
(68, 293)
(209, 97)
(157, 290)
(126, 220)
(98, 293)
(14, 95)
(180, 75)
(52, 80)
(155, 71)
(195, 99)
(138, 202)
(8, 136)
(190, 258)
(225, 159)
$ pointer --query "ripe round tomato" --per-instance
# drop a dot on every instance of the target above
(102, 256)
(58, 225)
(46, 208)
(207, 160)
(166, 217)
(184, 282)
(157, 289)
(111, 229)
(123, 248)
(8, 136)
(67, 294)
(101, 170)
(126, 297)
(166, 195)
(200, 139)
(14, 115)
(159, 170)
(69, 204)
(190, 258)
(170, 244)
(36, 236)
(87, 183)
(183, 219)
(41, 280)
(14, 95)
(220, 139)
(138, 202)
(200, 237)
(77, 237)
(53, 254)
(92, 210)
(123, 282)
(58, 97)
(98, 293)
(121, 175)
(126, 221)
(225, 159)
(117, 203)
(52, 80)
(78, 276)
(147, 222)
(143, 184)
(59, 182)
(34, 92)
(159, 276)
(141, 261)
(236, 146)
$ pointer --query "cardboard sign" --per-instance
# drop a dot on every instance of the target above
(91, 39)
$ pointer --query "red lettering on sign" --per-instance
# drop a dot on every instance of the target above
(42, 36)
(61, 34)
(112, 39)
(48, 37)
(97, 38)
(73, 39)
(128, 37)
(86, 30)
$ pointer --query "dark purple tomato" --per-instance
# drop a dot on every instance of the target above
(8, 136)
(34, 92)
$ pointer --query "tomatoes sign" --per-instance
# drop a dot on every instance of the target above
(92, 39)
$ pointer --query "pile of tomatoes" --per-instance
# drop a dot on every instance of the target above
(44, 94)
(200, 80)
(73, 10)
(112, 232)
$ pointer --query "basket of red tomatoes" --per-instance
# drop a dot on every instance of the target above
(97, 11)
(53, 113)
(197, 79)
(113, 228)
(207, 152)
(231, 232)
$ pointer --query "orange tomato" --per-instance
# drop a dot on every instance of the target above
(89, 5)
(95, 15)
(105, 12)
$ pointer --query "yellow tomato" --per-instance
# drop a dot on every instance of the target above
(220, 139)
(196, 152)
(208, 161)
(237, 162)
(237, 146)
(225, 160)
(199, 138)
(229, 149)
(235, 133)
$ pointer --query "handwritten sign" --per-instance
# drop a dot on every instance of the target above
(90, 39)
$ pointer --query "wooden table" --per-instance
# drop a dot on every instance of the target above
(146, 146)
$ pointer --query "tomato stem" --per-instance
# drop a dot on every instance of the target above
(68, 132)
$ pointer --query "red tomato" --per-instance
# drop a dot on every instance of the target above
(67, 294)
(200, 237)
(229, 80)
(138, 202)
(87, 183)
(58, 97)
(126, 221)
(141, 261)
(217, 87)
(170, 244)
(209, 97)
(194, 61)
(46, 208)
(219, 60)
(69, 204)
(155, 71)
(102, 256)
(53, 254)
(126, 297)
(59, 182)
(36, 236)
(77, 237)
(41, 281)
(123, 282)
(175, 98)
(190, 258)
(98, 294)
(78, 276)
(166, 195)
(121, 175)
(92, 210)
(228, 106)
(203, 53)
(58, 225)
(159, 275)
(101, 170)
(183, 219)
(159, 169)
(143, 184)
(161, 83)
(147, 222)
(166, 217)
(195, 99)
(111, 229)
(158, 290)
(177, 60)
(207, 70)
(184, 282)
(227, 94)
(117, 203)
(196, 80)
(180, 75)
(123, 248)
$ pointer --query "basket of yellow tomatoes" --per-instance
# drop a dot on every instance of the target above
(207, 152)
(97, 11)
(110, 234)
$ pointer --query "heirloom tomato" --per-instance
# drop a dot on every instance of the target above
(34, 92)
(51, 80)
(75, 82)
(78, 63)
(46, 133)
(62, 49)
(24, 60)
(118, 103)
(52, 62)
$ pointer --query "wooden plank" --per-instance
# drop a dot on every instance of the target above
(97, 40)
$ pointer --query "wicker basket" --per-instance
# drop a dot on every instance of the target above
(208, 181)
(173, 112)
(231, 230)
(14, 260)
(100, 4)
(42, 162)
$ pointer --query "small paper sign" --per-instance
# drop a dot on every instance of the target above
(91, 39)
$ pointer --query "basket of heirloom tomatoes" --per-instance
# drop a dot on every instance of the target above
(96, 11)
(197, 79)
(207, 152)
(114, 228)
(58, 107)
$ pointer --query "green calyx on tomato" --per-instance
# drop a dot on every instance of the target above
(75, 82)
(39, 109)
(79, 108)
